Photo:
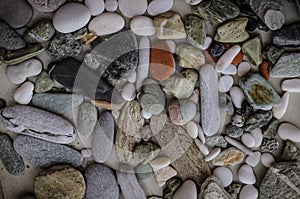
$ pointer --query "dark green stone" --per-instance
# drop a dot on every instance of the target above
(79, 34)
(270, 130)
(9, 39)
(272, 53)
(257, 120)
(290, 152)
(171, 187)
(196, 30)
(40, 32)
(253, 50)
(144, 152)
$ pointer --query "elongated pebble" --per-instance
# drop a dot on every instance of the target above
(253, 159)
(142, 26)
(128, 92)
(248, 192)
(226, 59)
(237, 96)
(243, 68)
(291, 85)
(288, 131)
(248, 140)
(111, 5)
(224, 174)
(160, 162)
(204, 150)
(238, 145)
(246, 174)
(212, 154)
(201, 134)
(258, 136)
(23, 94)
(206, 44)
(230, 70)
(278, 112)
(267, 159)
(225, 83)
(157, 7)
(192, 129)
(144, 60)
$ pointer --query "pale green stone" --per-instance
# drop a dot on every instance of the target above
(288, 65)
(189, 57)
(253, 50)
(43, 83)
(196, 30)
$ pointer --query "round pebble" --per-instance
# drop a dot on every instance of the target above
(246, 174)
(96, 6)
(142, 26)
(253, 159)
(71, 17)
(288, 131)
(258, 137)
(213, 154)
(23, 94)
(225, 83)
(267, 159)
(248, 140)
(243, 69)
(237, 96)
(192, 129)
(111, 5)
(106, 23)
(157, 7)
(160, 162)
(132, 8)
(230, 70)
(248, 192)
(224, 174)
(128, 92)
(204, 150)
(188, 110)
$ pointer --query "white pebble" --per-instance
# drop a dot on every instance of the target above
(172, 45)
(142, 26)
(187, 190)
(132, 8)
(146, 115)
(246, 174)
(213, 154)
(288, 131)
(267, 159)
(243, 68)
(132, 78)
(253, 159)
(226, 59)
(128, 92)
(144, 60)
(160, 162)
(192, 129)
(248, 192)
(224, 174)
(193, 2)
(291, 85)
(188, 110)
(225, 83)
(278, 112)
(248, 140)
(230, 70)
(96, 6)
(106, 23)
(23, 94)
(17, 74)
(157, 7)
(201, 134)
(197, 117)
(204, 150)
(111, 5)
(258, 136)
(86, 153)
(237, 96)
(238, 145)
(206, 44)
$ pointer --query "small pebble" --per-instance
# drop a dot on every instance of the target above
(288, 131)
(258, 136)
(146, 114)
(132, 78)
(96, 6)
(230, 70)
(132, 8)
(226, 59)
(278, 112)
(213, 154)
(224, 174)
(267, 159)
(188, 110)
(238, 145)
(146, 133)
(23, 94)
(237, 96)
(111, 5)
(192, 129)
(142, 26)
(291, 85)
(225, 83)
(243, 69)
(246, 174)
(248, 192)
(201, 134)
(157, 7)
(248, 140)
(238, 120)
(204, 150)
(128, 92)
(164, 174)
(253, 159)
(217, 49)
(160, 162)
(206, 44)
(187, 190)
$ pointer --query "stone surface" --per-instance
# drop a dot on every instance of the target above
(279, 112)
(224, 174)
(142, 25)
(246, 174)
(144, 60)
(288, 131)
(216, 140)
(145, 152)
(226, 103)
(126, 8)
(187, 190)
(143, 172)
(248, 140)
(225, 83)
(46, 6)
(291, 85)
(172, 185)
(44, 154)
(23, 94)
(287, 36)
(9, 39)
(160, 163)
(60, 181)
(234, 190)
(86, 118)
(227, 58)
(243, 68)
(181, 112)
(189, 57)
(229, 157)
(238, 120)
(287, 66)
(272, 53)
(43, 83)
(257, 120)
(111, 5)
(157, 7)
(128, 93)
(96, 6)
(164, 174)
(40, 32)
(2, 103)
(234, 131)
(267, 159)
(254, 159)
(258, 137)
(238, 145)
(212, 188)
(253, 50)
(217, 49)
(290, 152)
(196, 30)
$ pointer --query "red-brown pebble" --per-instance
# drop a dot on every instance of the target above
(264, 69)
(238, 59)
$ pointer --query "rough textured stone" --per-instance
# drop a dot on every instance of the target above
(234, 131)
(144, 152)
(217, 140)
(86, 119)
(164, 174)
(290, 152)
(287, 66)
(43, 83)
(60, 181)
(196, 30)
(212, 188)
(171, 187)
(257, 120)
(253, 50)
(272, 53)
(40, 32)
(46, 5)
(234, 190)
(270, 142)
(229, 157)
(9, 39)
(190, 57)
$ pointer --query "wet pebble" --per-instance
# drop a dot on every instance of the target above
(226, 59)
(228, 157)
(23, 94)
(201, 146)
(43, 83)
(230, 70)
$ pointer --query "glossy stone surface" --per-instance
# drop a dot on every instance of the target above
(196, 30)
(288, 65)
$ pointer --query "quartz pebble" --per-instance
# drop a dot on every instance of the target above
(253, 159)
(46, 5)
(225, 83)
(160, 162)
(128, 10)
(23, 94)
(229, 157)
(267, 159)
(278, 112)
(230, 70)
(243, 69)
(224, 174)
(212, 154)
(226, 59)
(142, 26)
(187, 190)
(96, 6)
(238, 145)
(291, 85)
(246, 174)
(288, 131)
(106, 23)
(157, 7)
(111, 5)
(248, 192)
(128, 92)
(192, 129)
(237, 96)
(248, 140)
(258, 136)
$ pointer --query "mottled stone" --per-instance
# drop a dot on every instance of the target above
(212, 188)
(40, 32)
(270, 142)
(288, 65)
(290, 152)
(229, 157)
(217, 49)
(43, 83)
(196, 30)
(257, 120)
(171, 187)
(164, 174)
(232, 31)
(253, 50)
(234, 131)
(258, 92)
(81, 33)
(234, 190)
(60, 181)
(269, 145)
(272, 53)
(247, 109)
(190, 57)
(216, 11)
(217, 140)
(144, 152)
(46, 5)
(86, 118)
(9, 39)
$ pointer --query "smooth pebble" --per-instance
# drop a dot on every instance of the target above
(206, 44)
(267, 159)
(23, 94)
(160, 162)
(146, 114)
(243, 69)
(192, 129)
(226, 59)
(248, 140)
(237, 96)
(253, 160)
(224, 174)
(246, 174)
(225, 83)
(197, 117)
(187, 190)
(291, 85)
(86, 153)
(96, 6)
(238, 145)
(188, 110)
(132, 8)
(230, 70)
(258, 136)
(278, 112)
(288, 131)
(142, 26)
(111, 5)
(204, 150)
(201, 134)
(213, 154)
(157, 7)
(128, 92)
(132, 78)
(248, 192)
(86, 119)
(172, 45)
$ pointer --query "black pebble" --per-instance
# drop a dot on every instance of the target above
(2, 103)
(247, 109)
(252, 24)
(217, 49)
(247, 10)
(262, 25)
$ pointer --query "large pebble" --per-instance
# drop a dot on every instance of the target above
(258, 136)
(243, 69)
(267, 159)
(278, 112)
(160, 162)
(246, 174)
(9, 39)
(23, 94)
(157, 7)
(288, 131)
(132, 8)
(128, 92)
(248, 192)
(187, 190)
(86, 119)
(291, 85)
(225, 83)
(226, 59)
(237, 96)
(43, 154)
(253, 159)
(96, 6)
(192, 129)
(100, 182)
(17, 74)
(106, 23)
(248, 140)
(224, 174)
(46, 5)
(71, 17)
(111, 5)
(142, 26)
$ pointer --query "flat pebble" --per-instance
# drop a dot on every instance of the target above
(71, 17)
(258, 136)
(46, 5)
(86, 119)
(248, 140)
(246, 174)
(278, 112)
(142, 26)
(238, 145)
(230, 70)
(225, 83)
(267, 159)
(213, 154)
(96, 6)
(291, 85)
(128, 10)
(157, 7)
(204, 150)
(253, 159)
(128, 92)
(243, 69)
(23, 94)
(248, 192)
(226, 59)
(288, 131)
(17, 74)
(192, 129)
(224, 174)
(237, 96)
(111, 5)
(106, 23)
(160, 162)
(187, 190)
(229, 157)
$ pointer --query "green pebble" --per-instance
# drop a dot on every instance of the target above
(40, 32)
(253, 50)
(196, 30)
(273, 53)
(43, 83)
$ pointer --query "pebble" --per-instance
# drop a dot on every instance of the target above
(160, 162)
(217, 49)
(96, 6)
(43, 83)
(206, 44)
(230, 70)
(196, 30)
(111, 5)
(252, 24)
(172, 185)
(238, 145)
(189, 57)
(224, 174)
(17, 74)
(100, 182)
(132, 78)
(258, 136)
(106, 23)
(197, 117)
(253, 50)
(287, 36)
(257, 120)
(267, 159)
(234, 131)
(42, 31)
(248, 192)
(86, 119)
(225, 83)
(246, 174)
(237, 96)
(151, 150)
(86, 153)
(243, 68)
(279, 112)
(216, 140)
(187, 190)
(248, 140)
(23, 94)
(212, 154)
(46, 5)
(143, 172)
(238, 120)
(146, 115)
(201, 146)
(9, 39)
(172, 45)
(287, 66)
(2, 103)
(144, 60)
(142, 26)
(213, 188)
(253, 160)
(288, 131)
(164, 174)
(192, 129)
(201, 134)
(126, 8)
(228, 157)
(193, 2)
(291, 85)
(157, 7)
(44, 154)
(188, 110)
(71, 17)
(146, 133)
(128, 92)
(226, 59)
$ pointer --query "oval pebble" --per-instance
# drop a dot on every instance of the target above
(238, 145)
(248, 140)
(206, 44)
(23, 94)
(142, 26)
(111, 5)
(213, 154)
(246, 174)
(157, 7)
(237, 96)
(226, 59)
(243, 68)
(71, 17)
(291, 85)
(225, 83)
(96, 6)
(288, 131)
(224, 174)
(188, 110)
(204, 150)
(201, 134)
(160, 162)
(230, 70)
(253, 160)
(267, 159)
(128, 10)
(258, 137)
(278, 112)
(106, 23)
(128, 92)
(248, 192)
(192, 129)
(187, 190)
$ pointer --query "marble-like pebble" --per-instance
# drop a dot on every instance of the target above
(142, 26)
(71, 17)
(192, 129)
(187, 190)
(225, 83)
(106, 23)
(230, 70)
(132, 8)
(291, 85)
(224, 174)
(128, 92)
(160, 162)
(288, 131)
(226, 59)
(267, 159)
(23, 94)
(237, 96)
(238, 145)
(253, 159)
(201, 146)
(248, 140)
(248, 192)
(144, 60)
(96, 6)
(258, 136)
(17, 74)
(157, 7)
(86, 119)
(212, 154)
(243, 68)
(246, 174)
(278, 112)
(111, 5)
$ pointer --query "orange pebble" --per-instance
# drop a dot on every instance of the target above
(227, 45)
(238, 58)
(209, 58)
(264, 69)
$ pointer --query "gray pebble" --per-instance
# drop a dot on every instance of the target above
(233, 131)
(216, 140)
(9, 39)
(40, 32)
(46, 5)
(143, 172)
(87, 118)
